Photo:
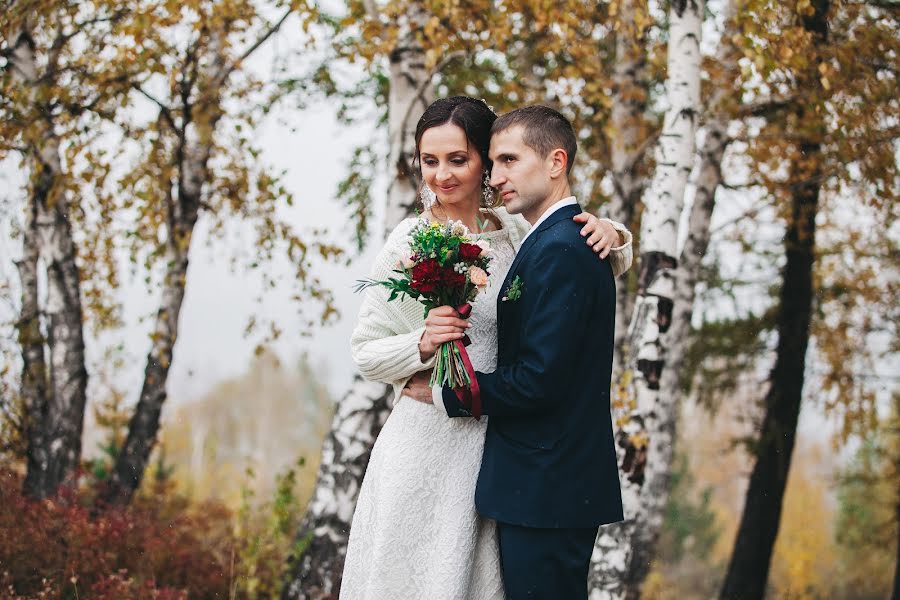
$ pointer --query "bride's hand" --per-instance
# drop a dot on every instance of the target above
(601, 235)
(442, 324)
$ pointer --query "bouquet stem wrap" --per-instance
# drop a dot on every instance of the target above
(454, 368)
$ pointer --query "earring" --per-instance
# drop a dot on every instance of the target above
(487, 192)
(428, 197)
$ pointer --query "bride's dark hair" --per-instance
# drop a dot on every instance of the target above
(473, 116)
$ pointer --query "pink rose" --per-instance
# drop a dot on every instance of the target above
(478, 276)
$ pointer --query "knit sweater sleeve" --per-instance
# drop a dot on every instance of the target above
(620, 257)
(385, 342)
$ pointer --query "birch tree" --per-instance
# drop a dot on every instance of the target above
(360, 414)
(178, 181)
(654, 494)
(49, 97)
(619, 564)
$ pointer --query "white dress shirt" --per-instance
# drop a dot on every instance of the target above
(568, 201)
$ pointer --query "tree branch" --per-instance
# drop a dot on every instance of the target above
(56, 48)
(885, 4)
(259, 42)
(189, 75)
(641, 149)
(751, 213)
(15, 148)
(63, 38)
(765, 107)
(110, 19)
(163, 109)
(739, 187)
(419, 95)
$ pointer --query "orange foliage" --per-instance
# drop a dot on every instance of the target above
(805, 556)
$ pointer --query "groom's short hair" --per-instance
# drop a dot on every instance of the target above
(543, 130)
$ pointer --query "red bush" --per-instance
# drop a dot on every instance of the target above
(156, 548)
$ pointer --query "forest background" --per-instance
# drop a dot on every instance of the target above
(221, 172)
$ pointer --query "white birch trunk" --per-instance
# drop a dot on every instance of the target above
(359, 416)
(316, 573)
(55, 399)
(646, 463)
(709, 177)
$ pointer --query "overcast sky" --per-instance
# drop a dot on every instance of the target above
(211, 343)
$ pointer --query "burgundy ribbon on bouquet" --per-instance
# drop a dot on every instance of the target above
(470, 396)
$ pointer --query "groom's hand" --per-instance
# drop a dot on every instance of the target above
(418, 388)
(601, 235)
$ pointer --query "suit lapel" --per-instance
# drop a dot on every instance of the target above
(566, 212)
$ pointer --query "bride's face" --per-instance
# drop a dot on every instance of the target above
(451, 166)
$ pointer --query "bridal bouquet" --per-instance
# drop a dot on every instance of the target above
(443, 267)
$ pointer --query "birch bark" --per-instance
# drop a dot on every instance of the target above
(620, 561)
(316, 573)
(55, 397)
(655, 491)
(709, 177)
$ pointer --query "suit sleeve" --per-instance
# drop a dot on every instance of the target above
(561, 287)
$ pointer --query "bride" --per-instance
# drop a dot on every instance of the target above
(415, 533)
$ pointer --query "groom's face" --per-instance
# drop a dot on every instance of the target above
(520, 175)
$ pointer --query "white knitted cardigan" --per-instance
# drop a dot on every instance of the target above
(385, 342)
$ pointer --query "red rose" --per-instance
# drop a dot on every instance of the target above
(469, 251)
(426, 270)
(426, 275)
(426, 287)
(453, 279)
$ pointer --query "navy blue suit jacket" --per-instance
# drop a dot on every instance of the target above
(549, 456)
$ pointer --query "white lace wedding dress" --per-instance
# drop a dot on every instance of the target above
(415, 534)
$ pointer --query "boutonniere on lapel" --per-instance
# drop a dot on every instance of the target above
(514, 291)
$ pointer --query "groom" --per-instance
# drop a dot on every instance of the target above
(549, 475)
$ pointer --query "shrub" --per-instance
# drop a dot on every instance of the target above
(155, 548)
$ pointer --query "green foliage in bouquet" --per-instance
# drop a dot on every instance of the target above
(444, 267)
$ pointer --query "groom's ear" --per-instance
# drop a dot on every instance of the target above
(559, 161)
